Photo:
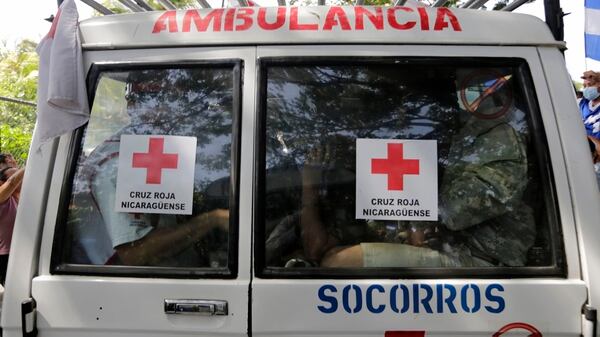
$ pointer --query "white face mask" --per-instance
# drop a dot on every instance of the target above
(590, 93)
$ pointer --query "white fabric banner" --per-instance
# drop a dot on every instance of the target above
(592, 21)
(62, 97)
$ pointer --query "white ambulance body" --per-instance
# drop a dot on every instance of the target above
(257, 90)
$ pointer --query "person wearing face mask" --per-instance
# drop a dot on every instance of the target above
(590, 104)
(588, 77)
(484, 220)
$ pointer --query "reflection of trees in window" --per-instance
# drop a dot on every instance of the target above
(186, 102)
(310, 106)
(196, 102)
(109, 111)
(306, 104)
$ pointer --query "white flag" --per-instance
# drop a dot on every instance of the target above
(592, 29)
(62, 96)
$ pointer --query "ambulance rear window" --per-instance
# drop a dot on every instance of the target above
(402, 167)
(152, 191)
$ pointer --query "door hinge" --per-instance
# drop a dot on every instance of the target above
(591, 315)
(28, 313)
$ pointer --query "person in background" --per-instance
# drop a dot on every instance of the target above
(587, 77)
(7, 160)
(11, 179)
(589, 105)
(595, 150)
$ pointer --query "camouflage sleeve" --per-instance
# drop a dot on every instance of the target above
(486, 179)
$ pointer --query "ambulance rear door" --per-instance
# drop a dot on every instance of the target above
(411, 191)
(585, 193)
(161, 154)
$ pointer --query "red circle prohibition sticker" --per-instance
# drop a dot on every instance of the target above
(486, 94)
(519, 325)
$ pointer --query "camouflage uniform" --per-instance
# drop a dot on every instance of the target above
(482, 191)
(480, 204)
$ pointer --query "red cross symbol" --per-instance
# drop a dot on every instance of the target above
(395, 166)
(155, 160)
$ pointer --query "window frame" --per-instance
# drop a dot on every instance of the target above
(57, 267)
(521, 68)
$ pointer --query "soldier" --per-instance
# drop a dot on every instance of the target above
(484, 218)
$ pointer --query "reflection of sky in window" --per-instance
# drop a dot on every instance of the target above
(108, 111)
(279, 89)
(418, 115)
(175, 112)
(212, 149)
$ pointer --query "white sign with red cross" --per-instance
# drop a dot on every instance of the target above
(156, 174)
(396, 179)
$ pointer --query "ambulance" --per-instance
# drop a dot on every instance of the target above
(313, 171)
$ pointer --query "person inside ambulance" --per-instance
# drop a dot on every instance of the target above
(141, 239)
(483, 218)
(312, 131)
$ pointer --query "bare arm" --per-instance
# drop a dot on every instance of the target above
(11, 185)
(165, 242)
(315, 238)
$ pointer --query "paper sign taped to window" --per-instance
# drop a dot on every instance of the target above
(396, 179)
(156, 174)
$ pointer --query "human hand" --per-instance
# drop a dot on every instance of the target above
(318, 158)
(219, 218)
(202, 223)
(416, 237)
(428, 236)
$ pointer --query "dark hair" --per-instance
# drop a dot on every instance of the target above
(3, 176)
(593, 149)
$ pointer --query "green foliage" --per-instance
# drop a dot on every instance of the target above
(114, 6)
(500, 4)
(15, 141)
(182, 3)
(18, 79)
(379, 2)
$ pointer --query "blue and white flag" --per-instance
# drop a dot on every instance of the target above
(592, 29)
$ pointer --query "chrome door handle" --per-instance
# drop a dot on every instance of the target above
(196, 307)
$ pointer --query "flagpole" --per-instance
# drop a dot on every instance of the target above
(554, 18)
